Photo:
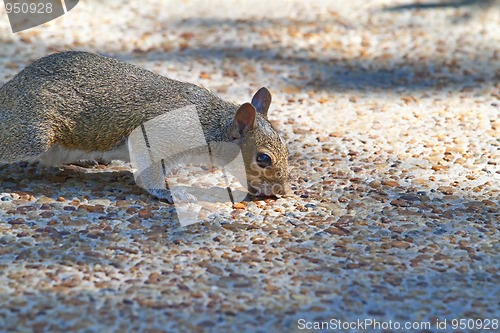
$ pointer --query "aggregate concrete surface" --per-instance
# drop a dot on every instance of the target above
(391, 112)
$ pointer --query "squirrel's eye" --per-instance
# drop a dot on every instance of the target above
(263, 160)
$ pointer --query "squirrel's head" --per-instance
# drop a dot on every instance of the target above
(264, 152)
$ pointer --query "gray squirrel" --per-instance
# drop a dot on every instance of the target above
(75, 106)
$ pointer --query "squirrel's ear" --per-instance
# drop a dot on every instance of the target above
(244, 121)
(262, 100)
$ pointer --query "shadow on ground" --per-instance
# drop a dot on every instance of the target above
(472, 4)
(296, 65)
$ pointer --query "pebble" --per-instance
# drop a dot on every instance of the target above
(400, 203)
(17, 221)
(47, 214)
(400, 245)
(391, 183)
(100, 202)
(239, 205)
(337, 231)
(93, 208)
(240, 249)
(45, 200)
(145, 213)
(258, 240)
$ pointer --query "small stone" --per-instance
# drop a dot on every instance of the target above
(272, 289)
(103, 202)
(205, 75)
(439, 167)
(391, 183)
(240, 249)
(45, 200)
(409, 197)
(301, 298)
(395, 280)
(489, 203)
(92, 208)
(317, 309)
(400, 203)
(25, 209)
(354, 205)
(122, 203)
(214, 270)
(39, 326)
(71, 282)
(338, 231)
(400, 245)
(343, 199)
(46, 214)
(328, 205)
(440, 256)
(75, 223)
(45, 206)
(446, 190)
(145, 213)
(258, 240)
(206, 324)
(17, 221)
(153, 278)
(375, 312)
(239, 205)
(300, 131)
(235, 226)
(124, 249)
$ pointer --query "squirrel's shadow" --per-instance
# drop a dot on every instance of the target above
(47, 181)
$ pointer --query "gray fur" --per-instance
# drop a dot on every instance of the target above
(81, 101)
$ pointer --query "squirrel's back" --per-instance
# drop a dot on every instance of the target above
(89, 102)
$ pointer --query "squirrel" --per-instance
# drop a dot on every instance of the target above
(79, 106)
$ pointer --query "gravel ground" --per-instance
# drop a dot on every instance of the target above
(391, 112)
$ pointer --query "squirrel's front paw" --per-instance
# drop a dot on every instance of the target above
(178, 194)
(162, 194)
(181, 195)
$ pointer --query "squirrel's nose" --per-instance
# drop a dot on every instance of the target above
(283, 189)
